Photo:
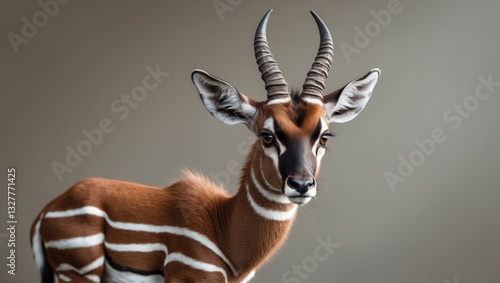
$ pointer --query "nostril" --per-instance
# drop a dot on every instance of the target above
(310, 183)
(300, 185)
(293, 183)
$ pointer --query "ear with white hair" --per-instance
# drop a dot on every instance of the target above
(223, 101)
(344, 104)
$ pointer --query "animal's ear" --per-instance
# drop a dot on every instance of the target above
(344, 104)
(223, 101)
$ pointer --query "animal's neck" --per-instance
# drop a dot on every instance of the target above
(255, 222)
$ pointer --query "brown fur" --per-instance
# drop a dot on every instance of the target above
(194, 202)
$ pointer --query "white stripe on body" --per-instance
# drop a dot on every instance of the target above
(86, 269)
(143, 248)
(64, 278)
(112, 275)
(195, 264)
(77, 242)
(37, 245)
(91, 210)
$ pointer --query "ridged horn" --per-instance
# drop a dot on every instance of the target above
(275, 83)
(316, 77)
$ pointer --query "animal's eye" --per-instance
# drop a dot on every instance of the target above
(323, 140)
(267, 139)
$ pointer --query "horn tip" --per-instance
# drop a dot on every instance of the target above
(261, 29)
(323, 29)
(268, 13)
(316, 17)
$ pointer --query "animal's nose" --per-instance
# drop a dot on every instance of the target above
(301, 185)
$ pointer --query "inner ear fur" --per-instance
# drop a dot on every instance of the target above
(344, 104)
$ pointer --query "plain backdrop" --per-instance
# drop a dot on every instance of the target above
(436, 219)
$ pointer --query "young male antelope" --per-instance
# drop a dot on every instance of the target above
(193, 230)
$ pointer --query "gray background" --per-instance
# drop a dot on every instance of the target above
(440, 225)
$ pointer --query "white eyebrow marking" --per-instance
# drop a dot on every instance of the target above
(269, 124)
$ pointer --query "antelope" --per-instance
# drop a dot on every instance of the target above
(193, 230)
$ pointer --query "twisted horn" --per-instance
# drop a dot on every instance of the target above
(271, 75)
(316, 77)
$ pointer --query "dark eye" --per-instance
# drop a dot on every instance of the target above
(323, 140)
(267, 139)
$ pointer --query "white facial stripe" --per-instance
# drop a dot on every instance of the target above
(274, 197)
(270, 151)
(265, 180)
(278, 100)
(77, 242)
(269, 124)
(91, 210)
(324, 125)
(281, 146)
(316, 149)
(321, 152)
(310, 99)
(270, 214)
